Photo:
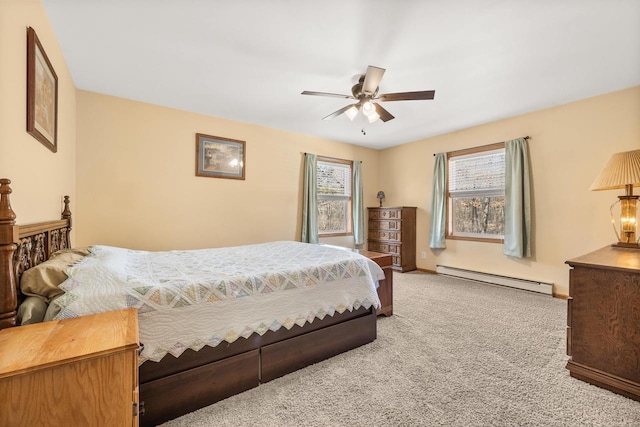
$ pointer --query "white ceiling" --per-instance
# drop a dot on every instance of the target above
(249, 60)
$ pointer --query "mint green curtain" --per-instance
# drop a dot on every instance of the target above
(358, 209)
(310, 200)
(517, 200)
(439, 203)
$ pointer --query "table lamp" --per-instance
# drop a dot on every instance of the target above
(623, 171)
(380, 196)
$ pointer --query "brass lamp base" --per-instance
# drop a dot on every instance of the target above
(626, 245)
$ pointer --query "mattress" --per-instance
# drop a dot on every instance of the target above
(189, 299)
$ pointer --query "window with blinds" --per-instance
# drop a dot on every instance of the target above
(334, 196)
(475, 195)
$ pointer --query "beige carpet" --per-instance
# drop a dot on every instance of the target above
(455, 353)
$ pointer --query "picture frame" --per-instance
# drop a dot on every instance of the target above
(42, 94)
(218, 157)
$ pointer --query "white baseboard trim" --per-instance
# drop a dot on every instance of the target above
(494, 279)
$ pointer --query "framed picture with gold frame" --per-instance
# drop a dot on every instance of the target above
(42, 94)
(218, 157)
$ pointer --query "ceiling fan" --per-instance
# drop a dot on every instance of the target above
(366, 93)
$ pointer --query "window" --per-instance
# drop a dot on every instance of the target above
(475, 194)
(334, 196)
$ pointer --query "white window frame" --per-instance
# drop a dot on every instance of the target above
(348, 229)
(450, 233)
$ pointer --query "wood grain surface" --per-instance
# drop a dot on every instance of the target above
(75, 372)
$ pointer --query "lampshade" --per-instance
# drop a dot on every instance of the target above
(373, 117)
(351, 112)
(368, 108)
(380, 195)
(622, 169)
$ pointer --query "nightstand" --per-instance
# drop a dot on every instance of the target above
(385, 288)
(76, 372)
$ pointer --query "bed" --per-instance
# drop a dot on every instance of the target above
(177, 382)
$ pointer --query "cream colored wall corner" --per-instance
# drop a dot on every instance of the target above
(40, 178)
(569, 146)
(137, 185)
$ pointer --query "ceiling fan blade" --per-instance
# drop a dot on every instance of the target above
(334, 95)
(407, 96)
(372, 79)
(385, 116)
(337, 113)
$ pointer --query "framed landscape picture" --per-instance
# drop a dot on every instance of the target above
(42, 94)
(218, 157)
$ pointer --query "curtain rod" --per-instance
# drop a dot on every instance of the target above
(334, 158)
(502, 142)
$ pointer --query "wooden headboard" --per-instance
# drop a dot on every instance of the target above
(23, 247)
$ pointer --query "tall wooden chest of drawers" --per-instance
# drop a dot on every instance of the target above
(393, 231)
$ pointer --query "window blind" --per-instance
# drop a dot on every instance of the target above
(477, 174)
(334, 179)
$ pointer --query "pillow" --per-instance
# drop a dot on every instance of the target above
(31, 311)
(73, 253)
(43, 280)
(52, 310)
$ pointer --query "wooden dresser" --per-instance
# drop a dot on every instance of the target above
(603, 331)
(393, 231)
(73, 372)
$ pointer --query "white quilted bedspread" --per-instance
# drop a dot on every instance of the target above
(189, 299)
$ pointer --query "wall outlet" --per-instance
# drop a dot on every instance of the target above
(424, 255)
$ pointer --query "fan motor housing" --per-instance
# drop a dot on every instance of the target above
(356, 90)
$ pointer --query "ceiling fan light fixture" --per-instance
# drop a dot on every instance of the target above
(368, 108)
(365, 94)
(351, 112)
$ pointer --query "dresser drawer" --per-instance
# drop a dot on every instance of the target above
(384, 247)
(385, 235)
(385, 225)
(385, 214)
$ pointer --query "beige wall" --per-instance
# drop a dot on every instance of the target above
(569, 146)
(39, 177)
(137, 185)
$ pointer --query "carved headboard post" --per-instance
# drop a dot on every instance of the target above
(65, 241)
(8, 238)
(66, 213)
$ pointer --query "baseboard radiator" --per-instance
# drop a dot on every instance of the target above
(512, 282)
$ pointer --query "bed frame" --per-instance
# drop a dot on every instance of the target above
(176, 386)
